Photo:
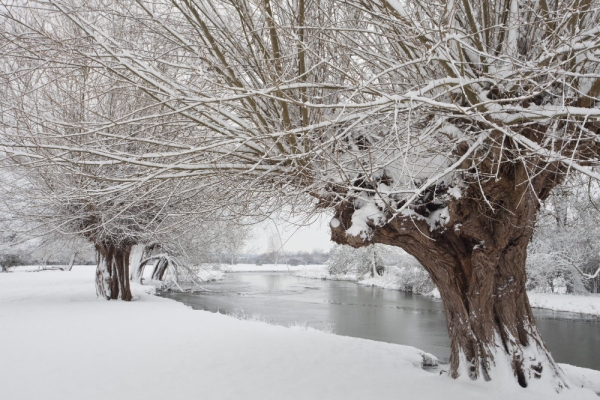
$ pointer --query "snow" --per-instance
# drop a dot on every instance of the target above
(268, 268)
(394, 278)
(582, 377)
(438, 218)
(366, 212)
(567, 302)
(386, 281)
(322, 272)
(455, 192)
(207, 275)
(59, 341)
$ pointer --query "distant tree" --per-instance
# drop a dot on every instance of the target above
(274, 247)
(233, 236)
(345, 260)
(61, 249)
(293, 262)
(566, 242)
(77, 198)
(8, 260)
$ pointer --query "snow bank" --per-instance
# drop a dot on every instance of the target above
(58, 341)
(435, 293)
(267, 268)
(407, 277)
(571, 303)
(582, 377)
(394, 278)
(385, 281)
(322, 272)
(207, 275)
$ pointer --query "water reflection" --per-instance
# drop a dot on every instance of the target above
(572, 338)
(377, 314)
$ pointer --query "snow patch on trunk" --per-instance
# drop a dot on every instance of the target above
(367, 212)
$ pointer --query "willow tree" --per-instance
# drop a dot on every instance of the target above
(437, 126)
(55, 106)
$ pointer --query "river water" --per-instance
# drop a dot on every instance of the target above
(373, 313)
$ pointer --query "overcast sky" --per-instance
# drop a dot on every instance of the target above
(298, 237)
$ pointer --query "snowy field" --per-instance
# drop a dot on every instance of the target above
(58, 341)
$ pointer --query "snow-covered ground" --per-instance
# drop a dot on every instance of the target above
(58, 341)
(566, 302)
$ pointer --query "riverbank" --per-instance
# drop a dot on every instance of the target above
(58, 341)
(589, 305)
(392, 279)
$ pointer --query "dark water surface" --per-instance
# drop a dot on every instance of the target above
(374, 313)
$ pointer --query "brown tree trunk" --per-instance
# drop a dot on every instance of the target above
(476, 257)
(489, 318)
(112, 271)
(160, 269)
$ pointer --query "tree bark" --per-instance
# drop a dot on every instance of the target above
(477, 260)
(112, 271)
(160, 269)
(139, 252)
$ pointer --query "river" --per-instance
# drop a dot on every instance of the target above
(373, 313)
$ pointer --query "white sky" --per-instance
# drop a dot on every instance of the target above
(299, 237)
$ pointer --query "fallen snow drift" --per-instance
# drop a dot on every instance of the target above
(58, 341)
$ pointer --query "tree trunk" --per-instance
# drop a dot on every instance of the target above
(373, 266)
(139, 252)
(489, 318)
(160, 269)
(476, 257)
(71, 262)
(112, 271)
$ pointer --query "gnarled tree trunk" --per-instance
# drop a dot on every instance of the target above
(160, 269)
(112, 271)
(476, 257)
(139, 258)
